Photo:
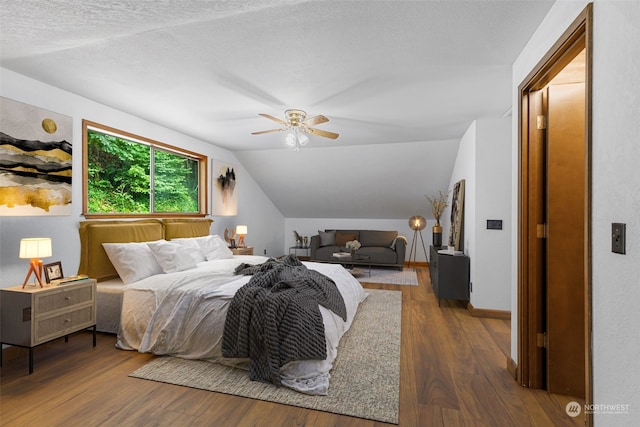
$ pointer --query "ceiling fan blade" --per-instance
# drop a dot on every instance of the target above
(324, 133)
(316, 120)
(266, 131)
(275, 119)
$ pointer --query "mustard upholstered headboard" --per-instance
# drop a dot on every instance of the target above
(94, 261)
(176, 228)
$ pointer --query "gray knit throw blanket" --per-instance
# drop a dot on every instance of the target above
(275, 318)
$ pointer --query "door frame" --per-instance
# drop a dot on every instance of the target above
(578, 36)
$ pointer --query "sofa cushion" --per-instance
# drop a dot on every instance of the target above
(342, 237)
(379, 255)
(325, 253)
(327, 238)
(377, 238)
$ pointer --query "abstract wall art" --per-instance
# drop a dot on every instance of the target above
(225, 191)
(35, 160)
(456, 232)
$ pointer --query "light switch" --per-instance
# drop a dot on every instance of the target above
(494, 224)
(618, 238)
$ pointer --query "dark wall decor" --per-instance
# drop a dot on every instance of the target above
(224, 193)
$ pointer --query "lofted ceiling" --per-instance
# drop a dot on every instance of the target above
(400, 81)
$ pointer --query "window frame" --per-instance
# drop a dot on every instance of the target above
(203, 190)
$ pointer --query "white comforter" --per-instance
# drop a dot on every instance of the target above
(182, 314)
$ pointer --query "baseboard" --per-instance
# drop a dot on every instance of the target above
(512, 367)
(416, 264)
(494, 314)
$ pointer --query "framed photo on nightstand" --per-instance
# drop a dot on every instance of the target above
(53, 271)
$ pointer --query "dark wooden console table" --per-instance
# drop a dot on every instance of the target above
(449, 275)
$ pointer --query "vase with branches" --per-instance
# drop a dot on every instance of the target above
(438, 205)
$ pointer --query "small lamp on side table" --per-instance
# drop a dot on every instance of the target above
(34, 249)
(241, 231)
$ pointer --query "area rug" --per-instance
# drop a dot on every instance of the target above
(387, 275)
(365, 379)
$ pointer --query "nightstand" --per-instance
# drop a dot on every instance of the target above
(247, 250)
(32, 316)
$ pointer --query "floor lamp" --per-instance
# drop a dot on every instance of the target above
(417, 223)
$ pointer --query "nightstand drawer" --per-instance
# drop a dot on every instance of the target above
(63, 298)
(62, 324)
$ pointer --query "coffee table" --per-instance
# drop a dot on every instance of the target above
(346, 259)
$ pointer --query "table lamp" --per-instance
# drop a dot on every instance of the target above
(241, 230)
(34, 249)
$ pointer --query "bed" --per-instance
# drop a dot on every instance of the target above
(181, 311)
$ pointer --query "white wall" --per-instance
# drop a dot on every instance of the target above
(492, 278)
(310, 226)
(465, 168)
(615, 194)
(265, 222)
(483, 161)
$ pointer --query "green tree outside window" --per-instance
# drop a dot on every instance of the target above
(130, 177)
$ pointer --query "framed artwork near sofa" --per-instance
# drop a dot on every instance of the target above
(456, 232)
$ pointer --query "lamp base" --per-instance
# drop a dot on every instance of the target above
(241, 241)
(35, 267)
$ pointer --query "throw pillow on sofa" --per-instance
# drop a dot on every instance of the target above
(342, 238)
(327, 238)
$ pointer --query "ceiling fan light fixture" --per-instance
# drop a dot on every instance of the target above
(297, 127)
(296, 138)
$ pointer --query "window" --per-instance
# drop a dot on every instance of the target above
(132, 176)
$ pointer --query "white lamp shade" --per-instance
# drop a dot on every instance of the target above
(241, 229)
(36, 247)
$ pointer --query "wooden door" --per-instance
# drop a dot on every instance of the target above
(535, 219)
(565, 243)
(554, 249)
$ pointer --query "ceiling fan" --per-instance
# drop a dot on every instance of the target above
(297, 124)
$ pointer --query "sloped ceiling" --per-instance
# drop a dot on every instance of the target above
(400, 82)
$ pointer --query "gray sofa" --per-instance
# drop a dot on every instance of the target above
(384, 247)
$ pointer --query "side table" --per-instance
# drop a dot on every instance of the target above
(32, 316)
(306, 250)
(246, 250)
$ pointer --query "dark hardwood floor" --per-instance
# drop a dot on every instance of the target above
(453, 373)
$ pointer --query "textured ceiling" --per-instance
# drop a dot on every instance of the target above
(383, 72)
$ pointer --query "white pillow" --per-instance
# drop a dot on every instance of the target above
(191, 246)
(132, 261)
(171, 256)
(213, 247)
(223, 250)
